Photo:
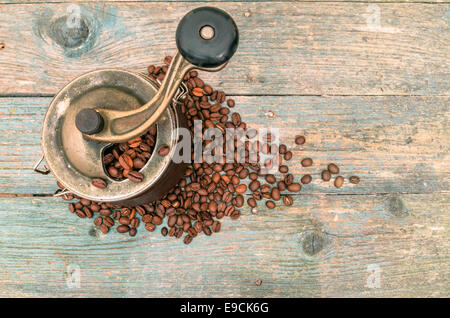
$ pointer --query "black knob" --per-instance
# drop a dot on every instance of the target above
(207, 37)
(89, 121)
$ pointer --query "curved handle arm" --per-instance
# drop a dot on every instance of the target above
(206, 38)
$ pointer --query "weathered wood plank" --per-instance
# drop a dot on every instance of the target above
(285, 48)
(395, 144)
(243, 1)
(405, 235)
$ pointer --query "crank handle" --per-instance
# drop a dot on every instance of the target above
(206, 39)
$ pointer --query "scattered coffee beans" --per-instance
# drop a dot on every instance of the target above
(209, 191)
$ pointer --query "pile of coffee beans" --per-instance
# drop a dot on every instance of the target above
(209, 191)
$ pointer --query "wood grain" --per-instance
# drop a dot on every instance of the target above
(40, 240)
(395, 144)
(205, 1)
(285, 48)
(372, 99)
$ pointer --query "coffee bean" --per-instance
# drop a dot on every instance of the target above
(216, 226)
(333, 168)
(294, 187)
(254, 185)
(251, 202)
(198, 91)
(338, 182)
(288, 179)
(123, 228)
(104, 229)
(98, 221)
(300, 140)
(288, 155)
(164, 231)
(326, 175)
(124, 220)
(230, 103)
(270, 178)
(283, 169)
(99, 183)
(270, 204)
(135, 176)
(307, 162)
(354, 179)
(306, 179)
(163, 150)
(287, 200)
(276, 194)
(150, 227)
(126, 162)
(241, 188)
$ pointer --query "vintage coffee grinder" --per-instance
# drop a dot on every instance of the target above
(110, 106)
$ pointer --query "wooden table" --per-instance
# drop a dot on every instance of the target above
(368, 85)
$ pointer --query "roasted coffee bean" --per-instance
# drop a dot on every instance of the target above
(230, 103)
(105, 212)
(338, 182)
(294, 187)
(163, 150)
(187, 239)
(80, 214)
(288, 155)
(281, 185)
(133, 231)
(126, 162)
(287, 200)
(241, 188)
(135, 176)
(104, 229)
(288, 179)
(326, 175)
(276, 194)
(108, 221)
(306, 179)
(300, 140)
(98, 221)
(254, 185)
(307, 162)
(216, 226)
(87, 212)
(138, 163)
(270, 178)
(164, 231)
(270, 204)
(283, 169)
(134, 223)
(265, 188)
(150, 227)
(251, 202)
(239, 201)
(124, 220)
(354, 179)
(123, 228)
(333, 168)
(99, 183)
(157, 220)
